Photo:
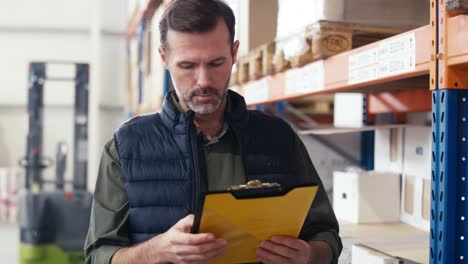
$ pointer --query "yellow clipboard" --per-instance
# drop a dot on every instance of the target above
(244, 218)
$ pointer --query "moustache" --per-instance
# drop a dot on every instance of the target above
(203, 91)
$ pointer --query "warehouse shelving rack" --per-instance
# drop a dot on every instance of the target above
(441, 64)
(441, 52)
(139, 23)
(449, 84)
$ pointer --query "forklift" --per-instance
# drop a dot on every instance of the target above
(54, 223)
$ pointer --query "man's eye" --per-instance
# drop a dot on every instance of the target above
(186, 66)
(216, 63)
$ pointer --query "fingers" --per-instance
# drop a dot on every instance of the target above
(266, 256)
(278, 249)
(202, 253)
(192, 239)
(201, 248)
(185, 223)
(290, 242)
(283, 249)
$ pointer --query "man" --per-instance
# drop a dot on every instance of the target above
(153, 171)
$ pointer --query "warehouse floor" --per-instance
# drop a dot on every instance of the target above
(9, 243)
(9, 239)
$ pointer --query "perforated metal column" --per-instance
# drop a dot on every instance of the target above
(367, 140)
(449, 226)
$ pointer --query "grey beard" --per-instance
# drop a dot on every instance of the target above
(215, 105)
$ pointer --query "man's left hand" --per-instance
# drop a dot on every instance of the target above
(284, 249)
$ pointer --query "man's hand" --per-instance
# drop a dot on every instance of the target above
(176, 245)
(283, 249)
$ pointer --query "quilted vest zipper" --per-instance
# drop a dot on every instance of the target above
(192, 143)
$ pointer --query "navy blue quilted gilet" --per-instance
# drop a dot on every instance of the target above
(155, 158)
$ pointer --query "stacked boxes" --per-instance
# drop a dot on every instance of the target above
(366, 197)
(376, 197)
(408, 151)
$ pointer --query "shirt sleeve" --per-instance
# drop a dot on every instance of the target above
(320, 223)
(108, 227)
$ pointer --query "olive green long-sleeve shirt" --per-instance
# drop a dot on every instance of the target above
(108, 229)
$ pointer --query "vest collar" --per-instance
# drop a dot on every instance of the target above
(237, 116)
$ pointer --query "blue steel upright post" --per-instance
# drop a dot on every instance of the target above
(367, 140)
(449, 226)
(449, 208)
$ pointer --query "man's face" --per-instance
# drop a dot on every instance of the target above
(200, 66)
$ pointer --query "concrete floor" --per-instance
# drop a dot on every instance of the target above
(9, 246)
(9, 243)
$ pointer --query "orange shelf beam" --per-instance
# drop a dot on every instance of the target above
(336, 72)
(400, 102)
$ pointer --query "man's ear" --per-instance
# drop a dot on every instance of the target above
(235, 49)
(162, 53)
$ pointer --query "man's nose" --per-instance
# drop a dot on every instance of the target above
(204, 77)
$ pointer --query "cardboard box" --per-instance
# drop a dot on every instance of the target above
(395, 13)
(367, 197)
(388, 150)
(416, 183)
(408, 151)
(294, 18)
(342, 117)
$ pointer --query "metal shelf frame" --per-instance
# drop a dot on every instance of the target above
(336, 68)
(442, 54)
(449, 85)
(138, 25)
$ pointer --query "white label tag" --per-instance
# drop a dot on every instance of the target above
(305, 80)
(256, 92)
(395, 56)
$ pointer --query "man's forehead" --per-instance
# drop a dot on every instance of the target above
(190, 46)
(218, 37)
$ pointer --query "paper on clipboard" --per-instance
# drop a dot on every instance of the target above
(245, 222)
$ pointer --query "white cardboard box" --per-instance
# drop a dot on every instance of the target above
(367, 197)
(388, 150)
(416, 177)
(342, 117)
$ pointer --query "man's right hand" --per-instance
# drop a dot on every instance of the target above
(177, 245)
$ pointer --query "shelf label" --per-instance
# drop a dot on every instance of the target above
(256, 91)
(305, 80)
(391, 57)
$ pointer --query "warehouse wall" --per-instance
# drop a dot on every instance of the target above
(46, 14)
(29, 31)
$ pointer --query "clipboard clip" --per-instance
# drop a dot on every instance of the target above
(254, 184)
(257, 189)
